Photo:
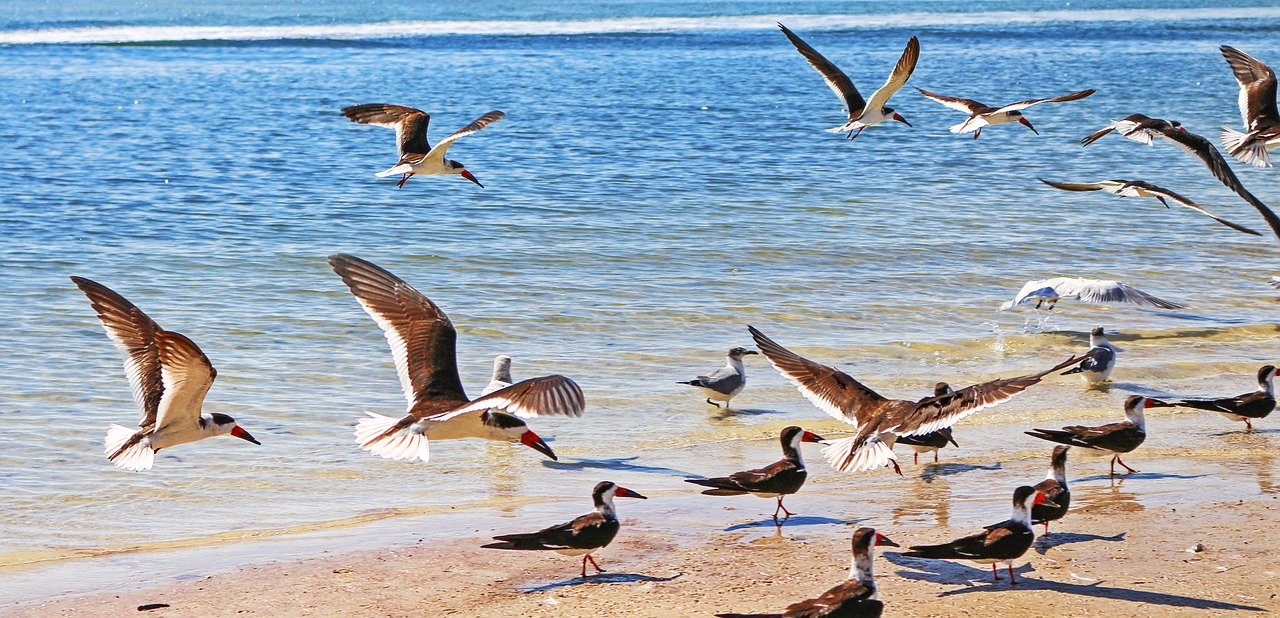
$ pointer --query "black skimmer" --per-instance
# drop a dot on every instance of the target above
(1137, 127)
(1139, 188)
(855, 598)
(862, 113)
(1117, 437)
(580, 537)
(501, 375)
(1098, 368)
(1054, 489)
(726, 382)
(934, 441)
(169, 377)
(1257, 107)
(1246, 407)
(416, 155)
(982, 115)
(776, 480)
(1085, 290)
(422, 344)
(1003, 542)
(881, 421)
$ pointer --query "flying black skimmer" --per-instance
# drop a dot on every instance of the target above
(169, 377)
(422, 344)
(726, 382)
(862, 113)
(580, 537)
(1003, 542)
(776, 480)
(1116, 437)
(1085, 290)
(982, 115)
(1137, 127)
(934, 441)
(1246, 407)
(1098, 368)
(1139, 188)
(501, 375)
(855, 598)
(1054, 489)
(416, 155)
(1257, 107)
(881, 421)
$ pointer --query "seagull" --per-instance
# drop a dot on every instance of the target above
(1137, 127)
(982, 115)
(1003, 542)
(1257, 404)
(501, 375)
(880, 421)
(416, 155)
(934, 441)
(862, 113)
(776, 480)
(1257, 107)
(422, 344)
(855, 598)
(580, 537)
(1086, 290)
(169, 377)
(1117, 437)
(1138, 188)
(1098, 368)
(726, 382)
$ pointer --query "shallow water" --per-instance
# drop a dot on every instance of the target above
(656, 186)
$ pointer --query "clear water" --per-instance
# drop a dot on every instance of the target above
(661, 180)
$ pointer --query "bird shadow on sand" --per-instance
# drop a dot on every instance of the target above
(1193, 317)
(599, 578)
(617, 463)
(794, 520)
(934, 471)
(1120, 478)
(1243, 432)
(728, 413)
(1045, 542)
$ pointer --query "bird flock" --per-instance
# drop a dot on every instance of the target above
(169, 375)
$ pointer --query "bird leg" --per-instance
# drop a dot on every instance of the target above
(1114, 461)
(994, 574)
(1012, 581)
(593, 563)
(895, 466)
(977, 133)
(400, 185)
(783, 509)
(714, 403)
(1247, 425)
(935, 457)
(853, 135)
(584, 566)
(1039, 302)
(916, 461)
(1051, 304)
(1046, 528)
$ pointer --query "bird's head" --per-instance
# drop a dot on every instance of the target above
(223, 424)
(1022, 120)
(888, 111)
(461, 170)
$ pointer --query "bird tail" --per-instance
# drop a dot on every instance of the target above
(399, 169)
(1241, 146)
(1076, 369)
(1200, 404)
(691, 383)
(841, 129)
(854, 455)
(1055, 435)
(1089, 139)
(516, 541)
(933, 551)
(376, 436)
(720, 487)
(128, 448)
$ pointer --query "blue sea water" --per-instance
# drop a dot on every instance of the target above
(662, 179)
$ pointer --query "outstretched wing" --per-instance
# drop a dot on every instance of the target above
(187, 375)
(552, 395)
(835, 78)
(479, 123)
(1257, 86)
(1074, 186)
(134, 334)
(898, 78)
(1212, 159)
(1106, 291)
(1012, 107)
(968, 106)
(1131, 190)
(832, 390)
(410, 124)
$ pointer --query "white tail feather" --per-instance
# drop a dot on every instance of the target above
(1253, 153)
(874, 454)
(399, 169)
(841, 129)
(140, 456)
(408, 443)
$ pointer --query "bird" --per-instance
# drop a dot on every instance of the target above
(855, 598)
(934, 441)
(1003, 542)
(862, 113)
(1246, 407)
(1086, 290)
(501, 375)
(169, 377)
(422, 341)
(1098, 368)
(982, 115)
(1054, 489)
(1257, 107)
(726, 382)
(1118, 438)
(1139, 188)
(881, 421)
(1137, 127)
(776, 480)
(581, 537)
(416, 154)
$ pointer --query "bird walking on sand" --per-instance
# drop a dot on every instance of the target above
(1137, 127)
(863, 113)
(1257, 107)
(581, 537)
(1139, 188)
(981, 115)
(169, 377)
(776, 480)
(1118, 438)
(1098, 368)
(1003, 542)
(417, 156)
(1085, 290)
(726, 382)
(1247, 407)
(934, 441)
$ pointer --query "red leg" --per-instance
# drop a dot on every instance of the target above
(1118, 460)
(977, 133)
(1247, 425)
(916, 461)
(782, 509)
(895, 466)
(584, 566)
(935, 457)
(593, 563)
(994, 575)
(853, 135)
(1012, 581)
(1046, 527)
(403, 179)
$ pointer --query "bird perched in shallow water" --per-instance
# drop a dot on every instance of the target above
(776, 480)
(726, 382)
(1098, 367)
(1246, 407)
(1086, 290)
(416, 155)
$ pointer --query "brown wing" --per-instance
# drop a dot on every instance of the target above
(1127, 191)
(833, 391)
(835, 78)
(187, 375)
(479, 123)
(1212, 159)
(410, 124)
(421, 336)
(545, 396)
(1028, 103)
(1073, 186)
(968, 106)
(134, 334)
(842, 600)
(1257, 86)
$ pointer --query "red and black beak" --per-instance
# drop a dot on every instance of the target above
(1040, 499)
(886, 541)
(809, 436)
(239, 432)
(532, 441)
(1028, 123)
(899, 118)
(471, 177)
(623, 492)
(1156, 403)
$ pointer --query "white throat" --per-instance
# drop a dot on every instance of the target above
(1267, 386)
(1057, 473)
(1137, 417)
(860, 567)
(736, 365)
(1022, 512)
(606, 506)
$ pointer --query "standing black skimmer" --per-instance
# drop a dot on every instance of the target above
(1139, 188)
(169, 377)
(982, 115)
(1054, 489)
(422, 343)
(855, 598)
(1137, 127)
(1085, 290)
(1002, 542)
(934, 441)
(1098, 368)
(580, 537)
(776, 480)
(1257, 107)
(416, 155)
(726, 382)
(501, 375)
(1116, 437)
(881, 421)
(1246, 407)
(862, 113)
